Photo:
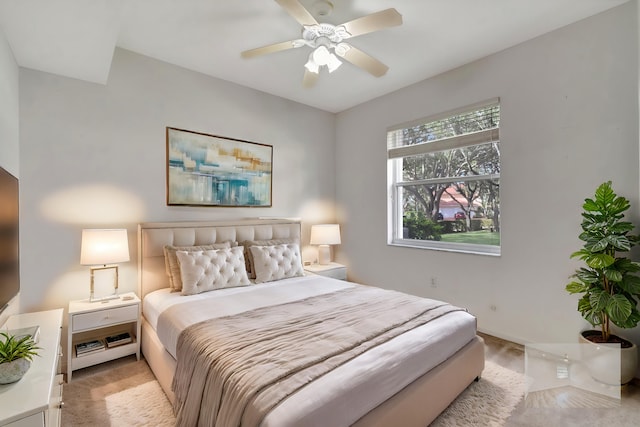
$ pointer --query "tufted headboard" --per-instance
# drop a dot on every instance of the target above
(153, 236)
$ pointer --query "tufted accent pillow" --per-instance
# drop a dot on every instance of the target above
(203, 271)
(173, 267)
(276, 262)
(248, 256)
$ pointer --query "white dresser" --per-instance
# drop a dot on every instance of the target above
(36, 399)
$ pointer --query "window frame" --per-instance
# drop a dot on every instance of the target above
(395, 156)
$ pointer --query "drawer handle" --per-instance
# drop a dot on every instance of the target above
(61, 404)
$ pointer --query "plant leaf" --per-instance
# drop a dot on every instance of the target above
(599, 261)
(576, 288)
(605, 194)
(596, 244)
(590, 205)
(584, 307)
(630, 284)
(618, 308)
(621, 243)
(631, 322)
(613, 275)
(599, 300)
(587, 276)
(619, 205)
(582, 254)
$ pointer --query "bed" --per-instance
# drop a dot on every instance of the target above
(405, 379)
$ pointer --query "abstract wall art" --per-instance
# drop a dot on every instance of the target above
(209, 170)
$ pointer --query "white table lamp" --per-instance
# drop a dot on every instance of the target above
(101, 247)
(325, 235)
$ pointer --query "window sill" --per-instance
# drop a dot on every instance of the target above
(448, 247)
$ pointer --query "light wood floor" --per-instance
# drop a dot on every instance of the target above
(549, 408)
(511, 356)
(504, 353)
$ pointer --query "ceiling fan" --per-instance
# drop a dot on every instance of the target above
(327, 40)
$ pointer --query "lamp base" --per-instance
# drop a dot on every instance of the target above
(103, 299)
(324, 254)
(115, 295)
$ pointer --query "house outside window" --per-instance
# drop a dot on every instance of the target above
(444, 181)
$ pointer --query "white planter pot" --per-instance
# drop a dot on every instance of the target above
(601, 360)
(10, 372)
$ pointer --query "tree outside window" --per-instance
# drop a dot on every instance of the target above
(445, 181)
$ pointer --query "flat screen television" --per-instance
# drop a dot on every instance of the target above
(9, 238)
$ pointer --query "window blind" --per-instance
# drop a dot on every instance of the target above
(471, 125)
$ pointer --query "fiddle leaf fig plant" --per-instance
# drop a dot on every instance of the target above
(12, 349)
(608, 282)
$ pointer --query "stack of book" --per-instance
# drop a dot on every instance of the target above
(116, 340)
(89, 347)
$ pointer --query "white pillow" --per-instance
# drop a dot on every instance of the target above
(203, 271)
(173, 266)
(248, 257)
(276, 262)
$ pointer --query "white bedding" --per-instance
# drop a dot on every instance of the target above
(396, 363)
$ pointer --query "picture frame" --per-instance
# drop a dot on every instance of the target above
(216, 171)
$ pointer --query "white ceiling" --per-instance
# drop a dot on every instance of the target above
(77, 38)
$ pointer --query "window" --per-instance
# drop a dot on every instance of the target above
(444, 181)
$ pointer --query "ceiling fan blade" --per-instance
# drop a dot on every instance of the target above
(277, 47)
(309, 79)
(298, 12)
(374, 22)
(364, 61)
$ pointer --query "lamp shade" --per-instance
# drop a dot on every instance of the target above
(101, 246)
(325, 234)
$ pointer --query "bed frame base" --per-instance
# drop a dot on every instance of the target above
(417, 405)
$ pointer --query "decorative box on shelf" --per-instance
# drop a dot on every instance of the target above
(333, 269)
(102, 331)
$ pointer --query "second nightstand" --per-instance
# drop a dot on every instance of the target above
(333, 269)
(91, 321)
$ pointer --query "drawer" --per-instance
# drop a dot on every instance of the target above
(35, 420)
(111, 316)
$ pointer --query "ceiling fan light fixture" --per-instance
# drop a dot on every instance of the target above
(333, 63)
(321, 56)
(311, 65)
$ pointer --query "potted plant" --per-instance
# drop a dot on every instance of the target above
(15, 356)
(608, 283)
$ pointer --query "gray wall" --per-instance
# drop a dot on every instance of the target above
(569, 122)
(94, 156)
(9, 125)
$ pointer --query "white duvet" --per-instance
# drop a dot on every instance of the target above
(348, 392)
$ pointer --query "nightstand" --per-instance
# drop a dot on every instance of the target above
(89, 321)
(333, 269)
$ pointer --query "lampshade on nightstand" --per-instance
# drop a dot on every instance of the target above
(101, 247)
(325, 235)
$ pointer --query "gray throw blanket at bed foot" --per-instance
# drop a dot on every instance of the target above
(233, 370)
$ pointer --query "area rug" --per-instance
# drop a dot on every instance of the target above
(129, 395)
(488, 402)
